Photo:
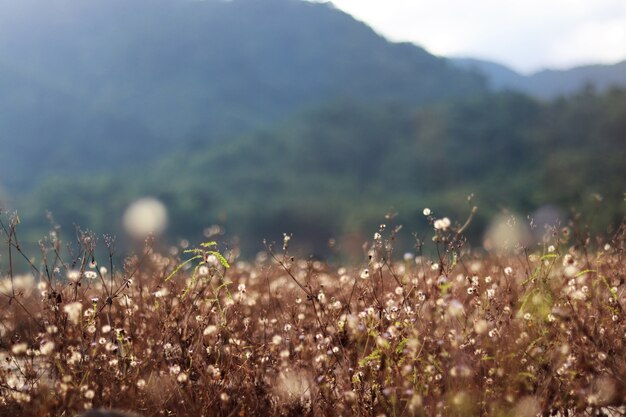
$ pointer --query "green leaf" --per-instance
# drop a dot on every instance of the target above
(221, 258)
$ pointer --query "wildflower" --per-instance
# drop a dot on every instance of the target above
(209, 330)
(570, 271)
(163, 292)
(73, 311)
(19, 348)
(141, 383)
(212, 260)
(426, 211)
(365, 274)
(508, 270)
(174, 369)
(90, 274)
(481, 326)
(47, 348)
(442, 224)
(455, 308)
(73, 275)
(74, 358)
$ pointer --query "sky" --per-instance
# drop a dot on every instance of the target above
(527, 35)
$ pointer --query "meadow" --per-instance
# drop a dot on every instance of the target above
(445, 330)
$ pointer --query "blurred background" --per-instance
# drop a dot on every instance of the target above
(248, 119)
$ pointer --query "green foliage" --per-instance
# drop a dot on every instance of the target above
(201, 257)
(335, 170)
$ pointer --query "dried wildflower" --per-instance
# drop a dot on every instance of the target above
(481, 326)
(442, 224)
(73, 311)
(74, 358)
(46, 348)
(19, 348)
(455, 308)
(73, 275)
(210, 330)
(90, 274)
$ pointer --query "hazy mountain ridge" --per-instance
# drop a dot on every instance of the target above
(547, 84)
(165, 74)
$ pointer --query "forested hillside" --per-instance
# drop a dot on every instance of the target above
(336, 170)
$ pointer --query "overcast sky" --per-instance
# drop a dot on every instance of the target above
(525, 34)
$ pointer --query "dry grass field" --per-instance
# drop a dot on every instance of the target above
(535, 331)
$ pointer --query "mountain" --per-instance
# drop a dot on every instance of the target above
(547, 84)
(103, 84)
